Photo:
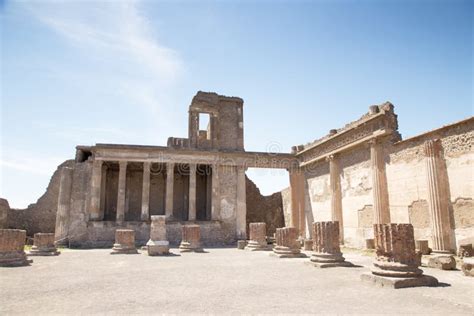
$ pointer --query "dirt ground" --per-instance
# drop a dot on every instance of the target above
(219, 281)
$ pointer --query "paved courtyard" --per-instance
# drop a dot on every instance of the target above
(219, 281)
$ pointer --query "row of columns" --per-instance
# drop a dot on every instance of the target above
(437, 184)
(96, 187)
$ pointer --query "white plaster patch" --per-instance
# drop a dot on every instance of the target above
(227, 209)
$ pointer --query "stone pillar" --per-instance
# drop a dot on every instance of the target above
(336, 194)
(64, 206)
(158, 243)
(191, 239)
(258, 237)
(379, 184)
(297, 191)
(122, 183)
(169, 189)
(215, 199)
(327, 252)
(124, 242)
(438, 197)
(287, 244)
(96, 181)
(43, 245)
(241, 204)
(145, 215)
(397, 264)
(12, 243)
(192, 192)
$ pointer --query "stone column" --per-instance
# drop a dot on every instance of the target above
(336, 194)
(297, 191)
(96, 181)
(327, 252)
(122, 183)
(258, 237)
(169, 189)
(145, 215)
(158, 243)
(191, 239)
(215, 199)
(287, 244)
(43, 245)
(438, 198)
(241, 204)
(192, 192)
(379, 184)
(12, 243)
(397, 264)
(124, 242)
(64, 206)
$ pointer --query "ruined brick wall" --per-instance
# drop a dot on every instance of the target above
(40, 216)
(268, 209)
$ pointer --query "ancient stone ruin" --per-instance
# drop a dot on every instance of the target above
(12, 244)
(258, 237)
(191, 239)
(124, 242)
(158, 243)
(287, 243)
(327, 252)
(43, 245)
(397, 263)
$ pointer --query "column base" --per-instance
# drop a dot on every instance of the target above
(187, 247)
(158, 248)
(255, 246)
(398, 283)
(322, 265)
(442, 261)
(329, 260)
(43, 252)
(14, 259)
(119, 250)
(285, 252)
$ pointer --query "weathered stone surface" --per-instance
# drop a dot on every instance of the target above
(191, 239)
(287, 243)
(397, 263)
(241, 244)
(327, 252)
(422, 247)
(124, 242)
(308, 245)
(158, 243)
(43, 245)
(442, 261)
(258, 237)
(465, 250)
(467, 266)
(4, 208)
(12, 243)
(369, 243)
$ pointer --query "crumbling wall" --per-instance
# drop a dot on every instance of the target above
(4, 209)
(40, 216)
(268, 209)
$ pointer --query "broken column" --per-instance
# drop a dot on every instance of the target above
(43, 245)
(438, 205)
(397, 263)
(287, 243)
(191, 239)
(327, 252)
(124, 242)
(12, 244)
(258, 237)
(158, 243)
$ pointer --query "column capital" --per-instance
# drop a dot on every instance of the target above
(332, 157)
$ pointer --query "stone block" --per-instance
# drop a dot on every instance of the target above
(398, 283)
(369, 243)
(467, 267)
(43, 245)
(158, 245)
(422, 247)
(308, 245)
(124, 242)
(191, 239)
(443, 262)
(241, 244)
(12, 244)
(465, 250)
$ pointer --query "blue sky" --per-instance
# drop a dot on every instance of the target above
(83, 72)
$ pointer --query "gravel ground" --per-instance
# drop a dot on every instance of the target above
(219, 281)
